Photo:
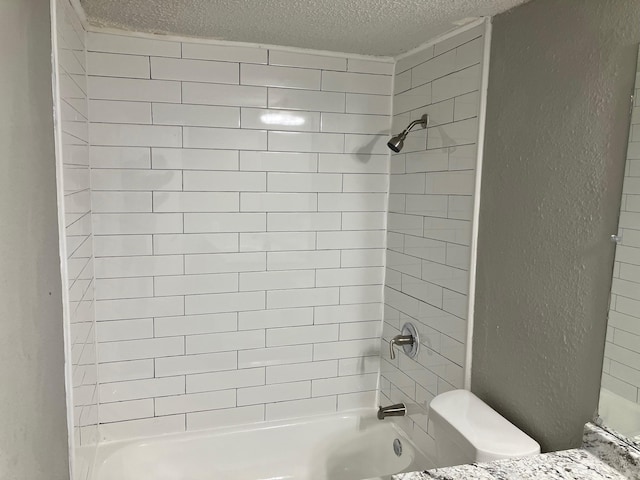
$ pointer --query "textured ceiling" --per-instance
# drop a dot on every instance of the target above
(373, 27)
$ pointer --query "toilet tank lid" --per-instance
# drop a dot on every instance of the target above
(487, 430)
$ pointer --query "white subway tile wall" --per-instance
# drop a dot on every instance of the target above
(76, 209)
(239, 217)
(429, 223)
(622, 349)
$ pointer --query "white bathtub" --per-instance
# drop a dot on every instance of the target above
(348, 446)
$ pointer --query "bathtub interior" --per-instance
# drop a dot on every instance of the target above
(620, 414)
(348, 446)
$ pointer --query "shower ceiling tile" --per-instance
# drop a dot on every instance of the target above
(356, 26)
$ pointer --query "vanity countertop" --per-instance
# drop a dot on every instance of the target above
(603, 456)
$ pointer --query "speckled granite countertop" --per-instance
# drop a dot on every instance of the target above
(603, 456)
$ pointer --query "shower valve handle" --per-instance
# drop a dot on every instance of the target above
(399, 340)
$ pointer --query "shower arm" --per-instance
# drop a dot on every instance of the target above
(421, 121)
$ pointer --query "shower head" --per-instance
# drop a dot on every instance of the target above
(397, 142)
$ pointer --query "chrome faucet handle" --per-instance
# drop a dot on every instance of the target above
(399, 340)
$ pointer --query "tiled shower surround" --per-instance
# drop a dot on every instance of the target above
(622, 350)
(78, 241)
(239, 201)
(431, 198)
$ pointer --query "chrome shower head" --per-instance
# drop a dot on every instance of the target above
(397, 142)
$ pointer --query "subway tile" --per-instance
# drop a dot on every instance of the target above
(425, 248)
(352, 123)
(138, 266)
(139, 308)
(224, 222)
(349, 384)
(134, 329)
(195, 115)
(302, 335)
(284, 222)
(255, 118)
(346, 349)
(231, 95)
(225, 417)
(109, 111)
(351, 239)
(451, 183)
(424, 291)
(122, 245)
(127, 370)
(288, 317)
(113, 65)
(127, 410)
(304, 60)
(279, 161)
(448, 230)
(278, 202)
(416, 58)
(195, 324)
(112, 288)
(300, 408)
(360, 330)
(417, 97)
(192, 243)
(195, 402)
(368, 104)
(262, 357)
(304, 182)
(135, 389)
(224, 53)
(120, 202)
(130, 179)
(270, 242)
(111, 134)
(195, 284)
(194, 70)
(402, 82)
(196, 202)
(113, 223)
(347, 313)
(350, 401)
(353, 163)
(360, 294)
(222, 342)
(305, 142)
(356, 83)
(466, 106)
(224, 302)
(147, 427)
(427, 205)
(369, 257)
(192, 364)
(365, 183)
(448, 277)
(357, 144)
(137, 90)
(140, 349)
(301, 371)
(436, 67)
(457, 40)
(224, 138)
(194, 159)
(370, 66)
(302, 297)
(349, 276)
(456, 84)
(224, 181)
(225, 263)
(352, 202)
(303, 260)
(365, 221)
(119, 157)
(274, 393)
(469, 53)
(283, 77)
(306, 100)
(106, 42)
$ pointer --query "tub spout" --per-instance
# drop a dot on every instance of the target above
(397, 410)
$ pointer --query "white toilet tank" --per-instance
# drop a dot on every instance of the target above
(468, 430)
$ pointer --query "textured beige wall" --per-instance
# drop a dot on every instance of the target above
(557, 123)
(33, 430)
